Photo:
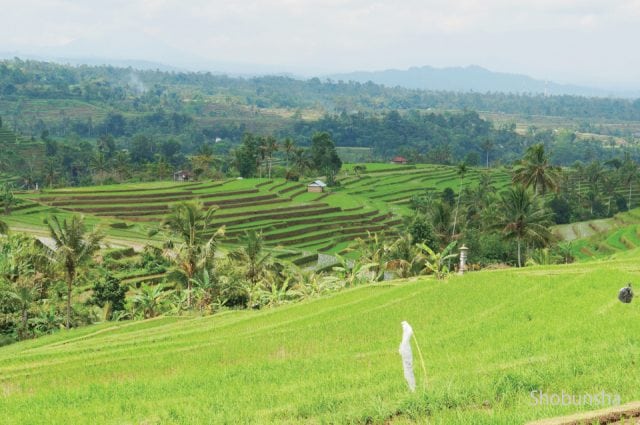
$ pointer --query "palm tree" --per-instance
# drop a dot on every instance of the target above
(271, 147)
(595, 174)
(522, 218)
(122, 164)
(190, 222)
(440, 216)
(252, 256)
(487, 146)
(23, 296)
(51, 172)
(289, 145)
(262, 154)
(99, 164)
(535, 171)
(579, 173)
(609, 185)
(630, 174)
(74, 247)
(301, 161)
(461, 171)
(203, 160)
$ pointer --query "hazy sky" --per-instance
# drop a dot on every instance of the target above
(564, 40)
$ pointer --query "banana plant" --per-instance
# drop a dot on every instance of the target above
(353, 273)
(435, 262)
(149, 300)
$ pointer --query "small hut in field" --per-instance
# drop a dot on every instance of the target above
(316, 186)
(400, 160)
(181, 176)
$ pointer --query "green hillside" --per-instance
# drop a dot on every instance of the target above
(488, 338)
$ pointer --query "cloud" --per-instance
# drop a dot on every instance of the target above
(336, 35)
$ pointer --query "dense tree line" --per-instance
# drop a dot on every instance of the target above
(158, 120)
(143, 91)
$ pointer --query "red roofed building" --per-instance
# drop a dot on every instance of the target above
(399, 160)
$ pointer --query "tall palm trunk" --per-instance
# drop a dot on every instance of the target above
(455, 216)
(519, 252)
(69, 288)
(25, 319)
(629, 207)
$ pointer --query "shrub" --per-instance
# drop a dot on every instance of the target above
(109, 291)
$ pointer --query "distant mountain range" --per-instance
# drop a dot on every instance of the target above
(472, 79)
(149, 55)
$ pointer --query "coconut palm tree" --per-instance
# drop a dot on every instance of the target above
(522, 218)
(610, 183)
(202, 161)
(271, 147)
(461, 171)
(190, 223)
(288, 146)
(630, 172)
(23, 296)
(51, 172)
(74, 247)
(99, 164)
(301, 161)
(122, 164)
(255, 260)
(595, 173)
(535, 171)
(262, 154)
(579, 172)
(487, 146)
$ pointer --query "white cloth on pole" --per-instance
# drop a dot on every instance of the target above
(407, 355)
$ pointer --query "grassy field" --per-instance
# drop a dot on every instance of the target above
(488, 338)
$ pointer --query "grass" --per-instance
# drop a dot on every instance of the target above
(488, 338)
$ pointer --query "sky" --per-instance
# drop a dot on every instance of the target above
(569, 41)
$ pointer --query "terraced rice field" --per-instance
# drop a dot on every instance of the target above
(604, 237)
(394, 185)
(289, 217)
(284, 211)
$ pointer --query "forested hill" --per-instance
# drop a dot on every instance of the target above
(127, 89)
